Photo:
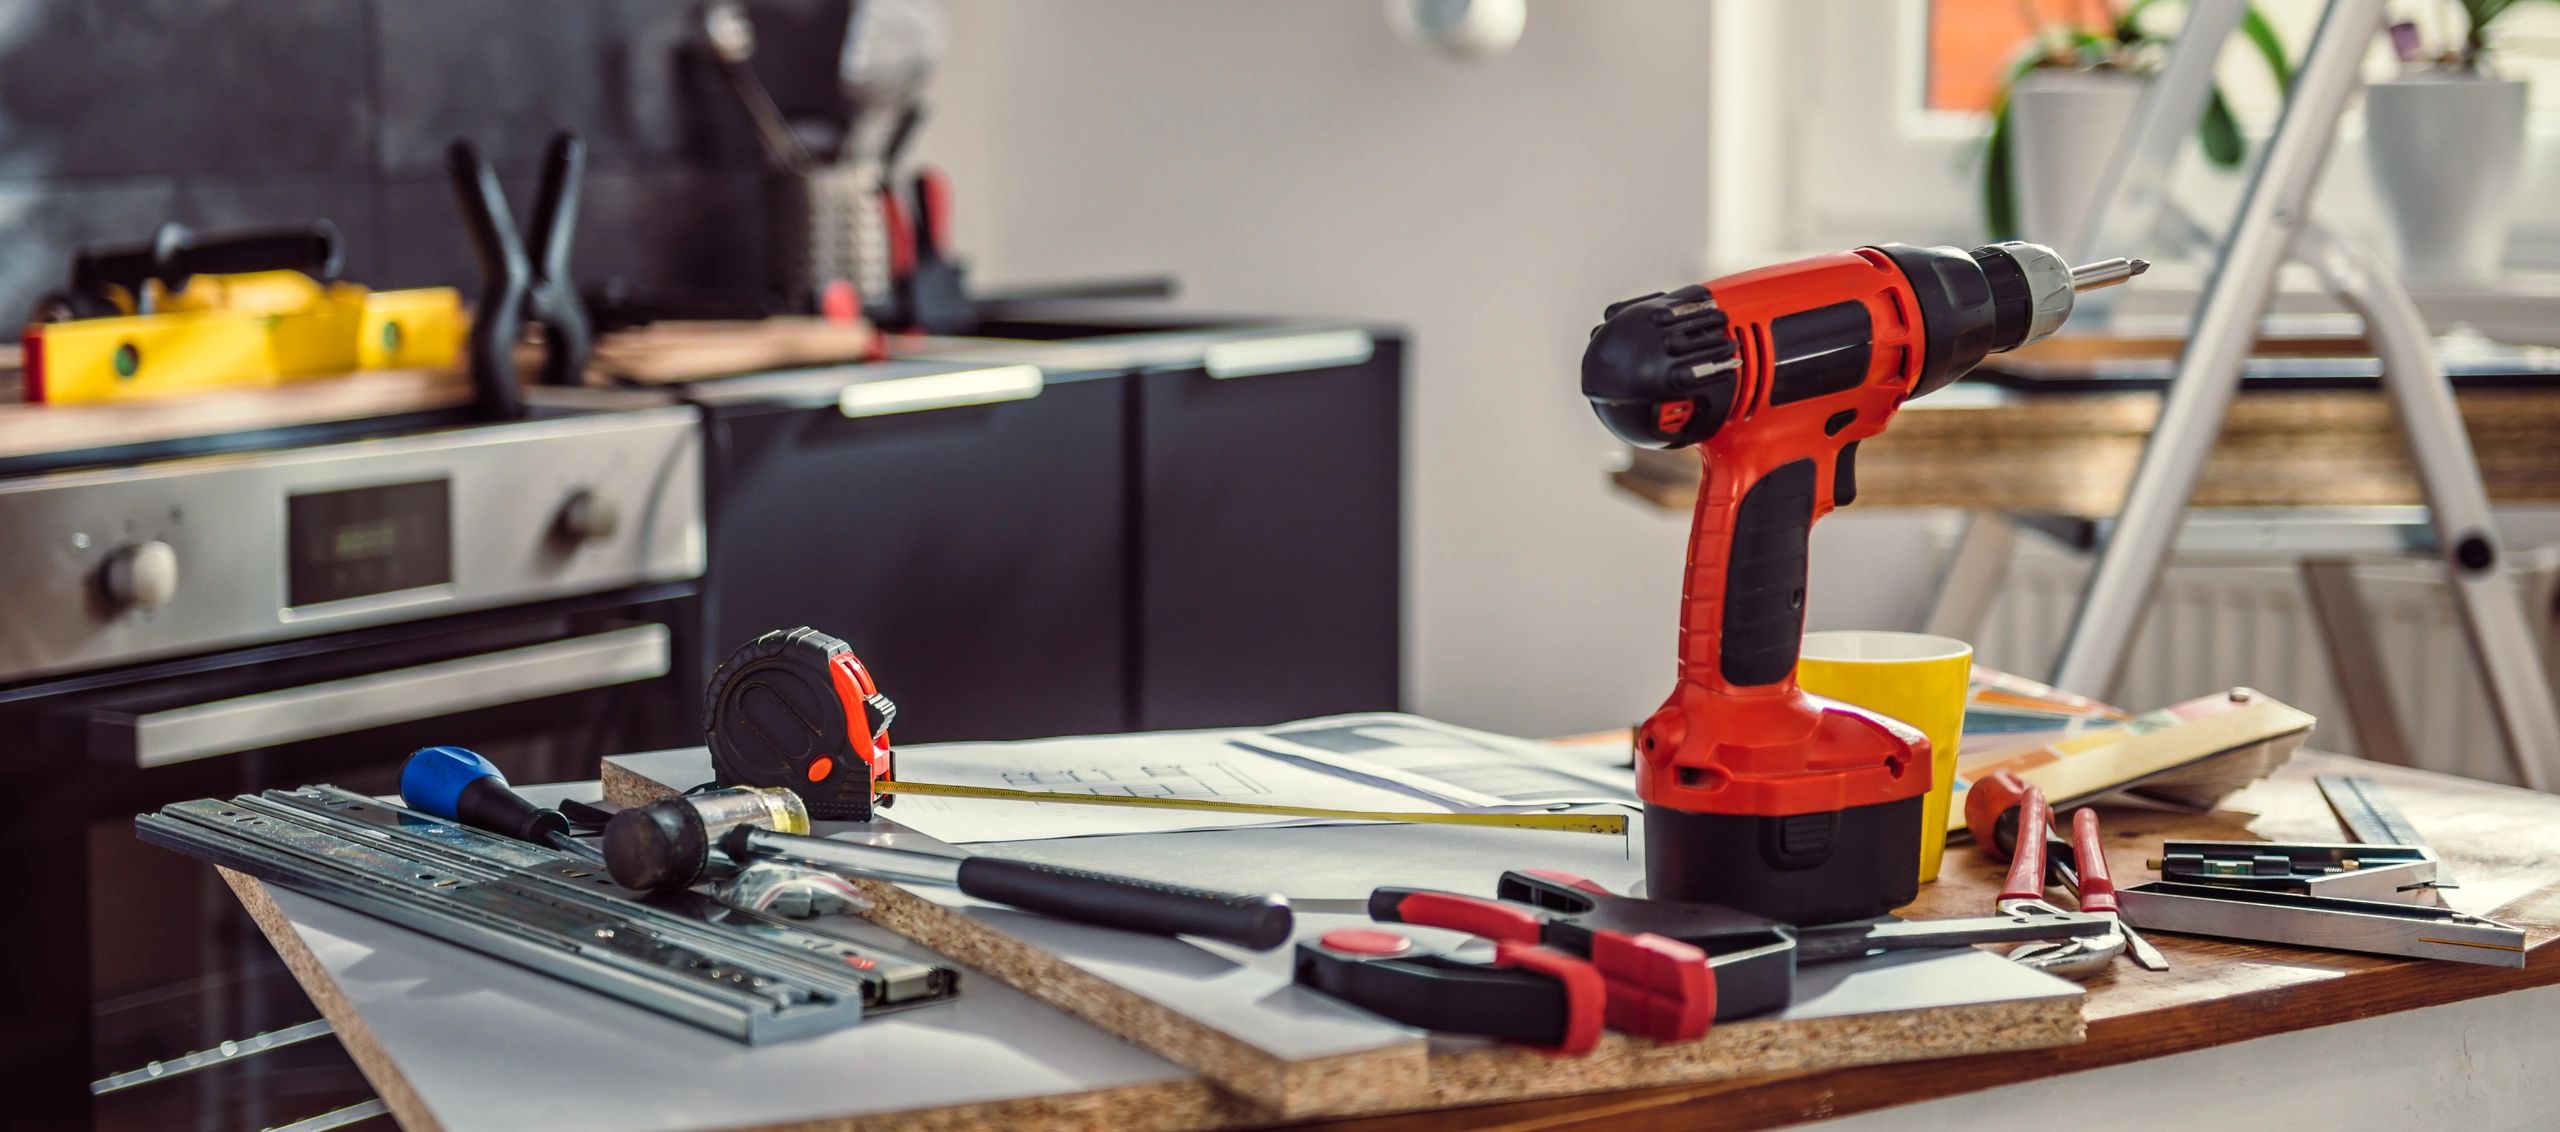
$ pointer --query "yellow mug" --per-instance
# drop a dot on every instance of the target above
(1913, 677)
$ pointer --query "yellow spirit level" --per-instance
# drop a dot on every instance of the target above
(230, 331)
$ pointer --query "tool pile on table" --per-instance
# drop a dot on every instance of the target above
(1780, 828)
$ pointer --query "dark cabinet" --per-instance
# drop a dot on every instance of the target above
(975, 557)
(1159, 539)
(1269, 523)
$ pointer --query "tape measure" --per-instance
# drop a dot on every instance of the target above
(795, 708)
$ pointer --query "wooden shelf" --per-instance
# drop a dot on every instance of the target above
(2074, 453)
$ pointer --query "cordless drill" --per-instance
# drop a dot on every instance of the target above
(1758, 795)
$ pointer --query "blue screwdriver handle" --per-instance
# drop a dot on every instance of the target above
(457, 784)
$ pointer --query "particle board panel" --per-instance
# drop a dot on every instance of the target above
(1235, 1017)
(417, 1003)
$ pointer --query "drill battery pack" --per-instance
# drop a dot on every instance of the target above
(1819, 868)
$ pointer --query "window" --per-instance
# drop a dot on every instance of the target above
(1971, 44)
(1838, 122)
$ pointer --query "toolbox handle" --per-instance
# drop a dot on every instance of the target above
(1261, 922)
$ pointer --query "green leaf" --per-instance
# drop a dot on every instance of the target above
(2220, 133)
(2262, 35)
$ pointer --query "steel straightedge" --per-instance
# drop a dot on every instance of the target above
(2375, 926)
(746, 976)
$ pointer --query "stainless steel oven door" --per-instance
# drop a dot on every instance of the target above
(401, 695)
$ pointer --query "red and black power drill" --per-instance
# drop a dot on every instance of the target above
(1758, 795)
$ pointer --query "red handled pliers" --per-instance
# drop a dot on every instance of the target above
(2038, 853)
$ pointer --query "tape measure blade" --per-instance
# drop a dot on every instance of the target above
(1615, 824)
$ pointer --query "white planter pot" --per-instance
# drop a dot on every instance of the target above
(2064, 127)
(2446, 148)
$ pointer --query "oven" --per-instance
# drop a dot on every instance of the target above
(223, 624)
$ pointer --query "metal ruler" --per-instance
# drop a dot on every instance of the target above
(2368, 815)
(2381, 927)
(741, 974)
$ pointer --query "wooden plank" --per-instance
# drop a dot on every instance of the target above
(2077, 351)
(666, 352)
(1231, 1040)
(1166, 1105)
(2503, 843)
(37, 429)
(2074, 454)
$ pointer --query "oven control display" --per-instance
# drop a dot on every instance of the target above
(367, 540)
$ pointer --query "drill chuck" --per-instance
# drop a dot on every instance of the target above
(2032, 288)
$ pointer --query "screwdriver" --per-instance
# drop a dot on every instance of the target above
(667, 844)
(457, 784)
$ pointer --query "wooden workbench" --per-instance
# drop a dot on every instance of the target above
(2503, 844)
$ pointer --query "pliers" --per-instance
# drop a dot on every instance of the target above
(2038, 853)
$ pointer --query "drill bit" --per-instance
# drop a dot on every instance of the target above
(2106, 273)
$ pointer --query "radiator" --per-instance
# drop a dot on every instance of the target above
(2218, 623)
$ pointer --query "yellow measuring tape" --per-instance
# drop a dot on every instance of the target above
(1563, 823)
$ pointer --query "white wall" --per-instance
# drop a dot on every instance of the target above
(1297, 157)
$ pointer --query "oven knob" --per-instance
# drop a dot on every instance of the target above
(141, 576)
(588, 515)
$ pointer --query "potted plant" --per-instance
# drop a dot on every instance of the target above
(2067, 100)
(2446, 142)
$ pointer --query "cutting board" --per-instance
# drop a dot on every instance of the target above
(31, 430)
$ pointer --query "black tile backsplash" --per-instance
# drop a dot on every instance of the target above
(607, 70)
(225, 114)
(243, 87)
(667, 226)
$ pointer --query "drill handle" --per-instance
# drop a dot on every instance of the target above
(1743, 623)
